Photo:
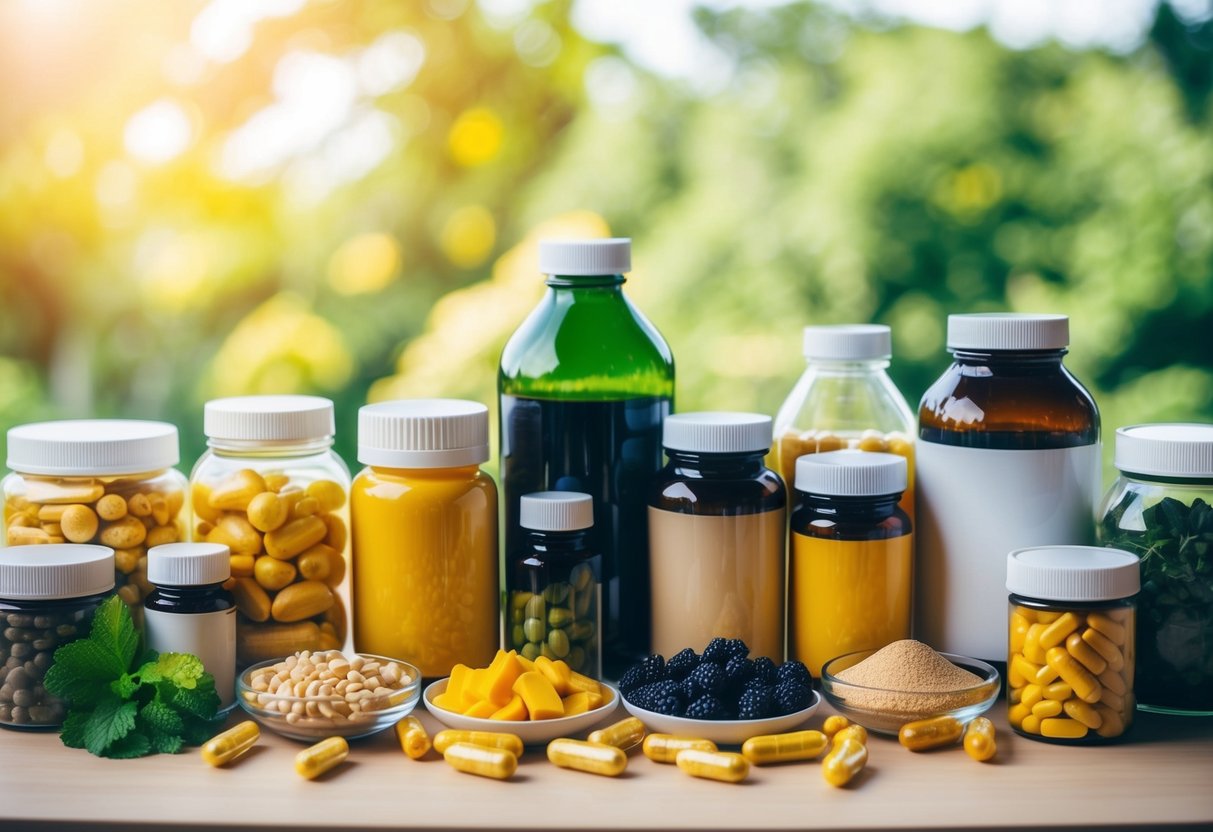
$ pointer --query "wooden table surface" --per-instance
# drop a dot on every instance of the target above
(1162, 775)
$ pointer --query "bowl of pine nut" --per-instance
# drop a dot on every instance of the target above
(326, 693)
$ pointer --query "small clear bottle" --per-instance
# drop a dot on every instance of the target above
(851, 574)
(48, 594)
(845, 399)
(1070, 653)
(555, 594)
(189, 611)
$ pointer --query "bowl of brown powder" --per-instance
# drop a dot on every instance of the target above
(907, 680)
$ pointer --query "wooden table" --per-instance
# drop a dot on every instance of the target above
(1162, 776)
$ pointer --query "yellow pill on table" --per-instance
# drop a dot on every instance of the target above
(1046, 708)
(221, 749)
(414, 740)
(324, 756)
(852, 732)
(845, 760)
(979, 739)
(664, 748)
(725, 766)
(783, 748)
(1067, 729)
(623, 734)
(1086, 687)
(1108, 628)
(1084, 713)
(1055, 633)
(481, 760)
(925, 734)
(834, 724)
(589, 757)
(490, 739)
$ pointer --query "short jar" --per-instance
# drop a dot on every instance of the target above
(271, 489)
(48, 594)
(1161, 508)
(97, 481)
(1070, 654)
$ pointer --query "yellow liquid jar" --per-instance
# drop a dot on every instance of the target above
(425, 567)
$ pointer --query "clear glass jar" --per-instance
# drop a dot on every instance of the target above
(101, 481)
(1160, 509)
(426, 572)
(553, 585)
(845, 399)
(48, 594)
(271, 489)
(1070, 649)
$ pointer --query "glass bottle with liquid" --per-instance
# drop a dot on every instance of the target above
(585, 383)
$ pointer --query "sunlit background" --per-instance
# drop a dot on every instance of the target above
(201, 199)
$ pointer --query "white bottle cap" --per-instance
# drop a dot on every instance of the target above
(188, 564)
(92, 447)
(423, 433)
(1008, 331)
(49, 572)
(1184, 451)
(556, 511)
(1073, 573)
(851, 473)
(848, 342)
(268, 419)
(586, 257)
(717, 432)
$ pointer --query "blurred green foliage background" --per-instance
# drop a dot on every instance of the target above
(207, 199)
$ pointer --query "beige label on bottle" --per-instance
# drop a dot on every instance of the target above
(211, 636)
(717, 576)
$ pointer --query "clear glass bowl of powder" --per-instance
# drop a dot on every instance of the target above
(907, 680)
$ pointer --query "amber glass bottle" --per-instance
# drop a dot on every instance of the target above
(1008, 458)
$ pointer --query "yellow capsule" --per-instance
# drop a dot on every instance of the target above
(1065, 729)
(1019, 631)
(1086, 686)
(1047, 617)
(1031, 724)
(1084, 713)
(663, 748)
(221, 749)
(1021, 668)
(623, 734)
(1113, 700)
(1046, 708)
(979, 739)
(1113, 681)
(1032, 651)
(924, 734)
(590, 757)
(1102, 645)
(1055, 633)
(1112, 724)
(852, 732)
(1059, 691)
(1087, 655)
(1017, 713)
(315, 760)
(414, 741)
(724, 766)
(1027, 613)
(1031, 695)
(489, 739)
(783, 748)
(845, 760)
(481, 760)
(1114, 632)
(1046, 675)
(833, 725)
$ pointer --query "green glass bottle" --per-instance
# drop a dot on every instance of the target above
(586, 383)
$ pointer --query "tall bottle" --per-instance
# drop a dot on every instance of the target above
(845, 399)
(586, 382)
(1008, 457)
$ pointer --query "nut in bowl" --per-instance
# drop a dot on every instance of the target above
(309, 696)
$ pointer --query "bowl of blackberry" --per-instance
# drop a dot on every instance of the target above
(722, 695)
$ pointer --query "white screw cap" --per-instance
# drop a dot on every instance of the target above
(611, 255)
(92, 447)
(268, 419)
(851, 473)
(423, 433)
(1073, 573)
(49, 572)
(848, 342)
(1166, 450)
(188, 564)
(717, 432)
(556, 511)
(1008, 331)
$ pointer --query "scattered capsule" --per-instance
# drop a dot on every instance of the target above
(590, 757)
(481, 760)
(979, 739)
(852, 732)
(833, 725)
(489, 739)
(664, 748)
(724, 766)
(623, 734)
(845, 760)
(315, 760)
(784, 748)
(414, 740)
(221, 749)
(924, 734)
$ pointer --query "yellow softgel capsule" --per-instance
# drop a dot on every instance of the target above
(834, 724)
(1055, 633)
(1086, 714)
(845, 760)
(489, 739)
(1059, 691)
(1085, 685)
(852, 732)
(1102, 645)
(1068, 729)
(979, 741)
(1046, 708)
(784, 748)
(221, 749)
(664, 748)
(590, 757)
(414, 740)
(725, 766)
(1111, 630)
(925, 734)
(481, 760)
(325, 755)
(623, 734)
(1087, 655)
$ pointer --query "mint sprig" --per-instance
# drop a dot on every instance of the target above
(121, 704)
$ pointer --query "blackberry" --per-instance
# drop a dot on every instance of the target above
(652, 695)
(757, 684)
(632, 678)
(764, 670)
(755, 703)
(791, 697)
(738, 671)
(691, 689)
(669, 703)
(681, 664)
(709, 677)
(794, 671)
(737, 648)
(653, 668)
(706, 707)
(717, 651)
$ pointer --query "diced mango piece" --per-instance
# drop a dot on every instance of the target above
(471, 688)
(527, 664)
(515, 711)
(555, 672)
(496, 682)
(579, 683)
(457, 683)
(541, 699)
(596, 700)
(449, 702)
(576, 703)
(484, 709)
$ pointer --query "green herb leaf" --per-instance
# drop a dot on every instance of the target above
(201, 701)
(132, 745)
(180, 669)
(196, 731)
(114, 631)
(125, 686)
(163, 743)
(161, 717)
(72, 732)
(109, 722)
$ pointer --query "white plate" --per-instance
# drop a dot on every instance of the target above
(723, 731)
(539, 732)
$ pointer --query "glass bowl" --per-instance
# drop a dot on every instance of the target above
(884, 711)
(312, 718)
